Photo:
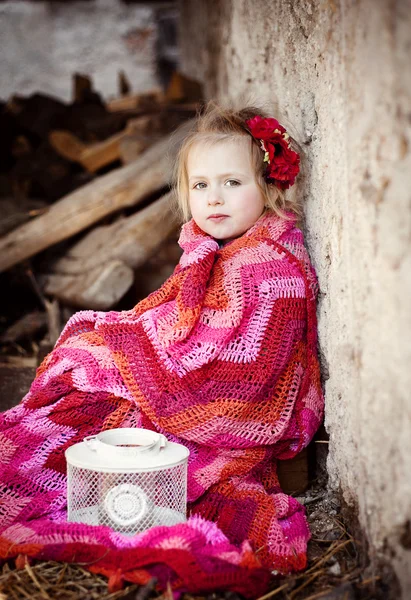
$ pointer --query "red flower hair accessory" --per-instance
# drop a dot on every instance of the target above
(283, 163)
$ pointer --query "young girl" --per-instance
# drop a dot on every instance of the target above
(222, 358)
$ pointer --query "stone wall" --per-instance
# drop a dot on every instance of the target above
(337, 74)
(44, 43)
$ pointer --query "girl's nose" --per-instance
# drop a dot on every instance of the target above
(214, 198)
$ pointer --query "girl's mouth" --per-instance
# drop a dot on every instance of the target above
(217, 217)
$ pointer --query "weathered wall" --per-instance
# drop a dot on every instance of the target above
(337, 73)
(44, 43)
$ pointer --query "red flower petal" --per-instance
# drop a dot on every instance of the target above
(264, 129)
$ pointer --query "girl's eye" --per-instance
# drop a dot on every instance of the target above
(230, 183)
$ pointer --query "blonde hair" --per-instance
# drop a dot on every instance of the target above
(216, 124)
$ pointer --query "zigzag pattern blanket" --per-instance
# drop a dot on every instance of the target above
(221, 358)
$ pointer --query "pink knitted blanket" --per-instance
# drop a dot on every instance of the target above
(223, 359)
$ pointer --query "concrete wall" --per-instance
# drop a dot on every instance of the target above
(44, 43)
(337, 73)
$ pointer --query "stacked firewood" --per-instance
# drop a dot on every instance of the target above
(86, 219)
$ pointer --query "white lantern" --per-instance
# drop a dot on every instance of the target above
(128, 479)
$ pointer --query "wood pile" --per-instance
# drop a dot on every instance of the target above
(86, 219)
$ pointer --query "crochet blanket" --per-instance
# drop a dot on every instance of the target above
(221, 358)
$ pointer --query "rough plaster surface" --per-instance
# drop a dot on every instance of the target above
(337, 73)
(44, 43)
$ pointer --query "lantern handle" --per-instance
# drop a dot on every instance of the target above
(91, 442)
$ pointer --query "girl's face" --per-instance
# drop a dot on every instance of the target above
(224, 197)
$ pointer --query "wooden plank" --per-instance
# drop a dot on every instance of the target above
(25, 327)
(98, 289)
(293, 473)
(95, 156)
(152, 97)
(131, 240)
(123, 187)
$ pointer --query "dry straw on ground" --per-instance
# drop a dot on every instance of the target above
(334, 571)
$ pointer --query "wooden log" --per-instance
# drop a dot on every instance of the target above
(124, 85)
(130, 148)
(82, 87)
(132, 240)
(53, 320)
(126, 186)
(98, 289)
(82, 279)
(36, 113)
(133, 101)
(21, 147)
(88, 118)
(25, 327)
(43, 173)
(154, 271)
(182, 88)
(94, 156)
(106, 152)
(18, 362)
(16, 211)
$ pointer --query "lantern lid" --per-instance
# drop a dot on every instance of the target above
(126, 450)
